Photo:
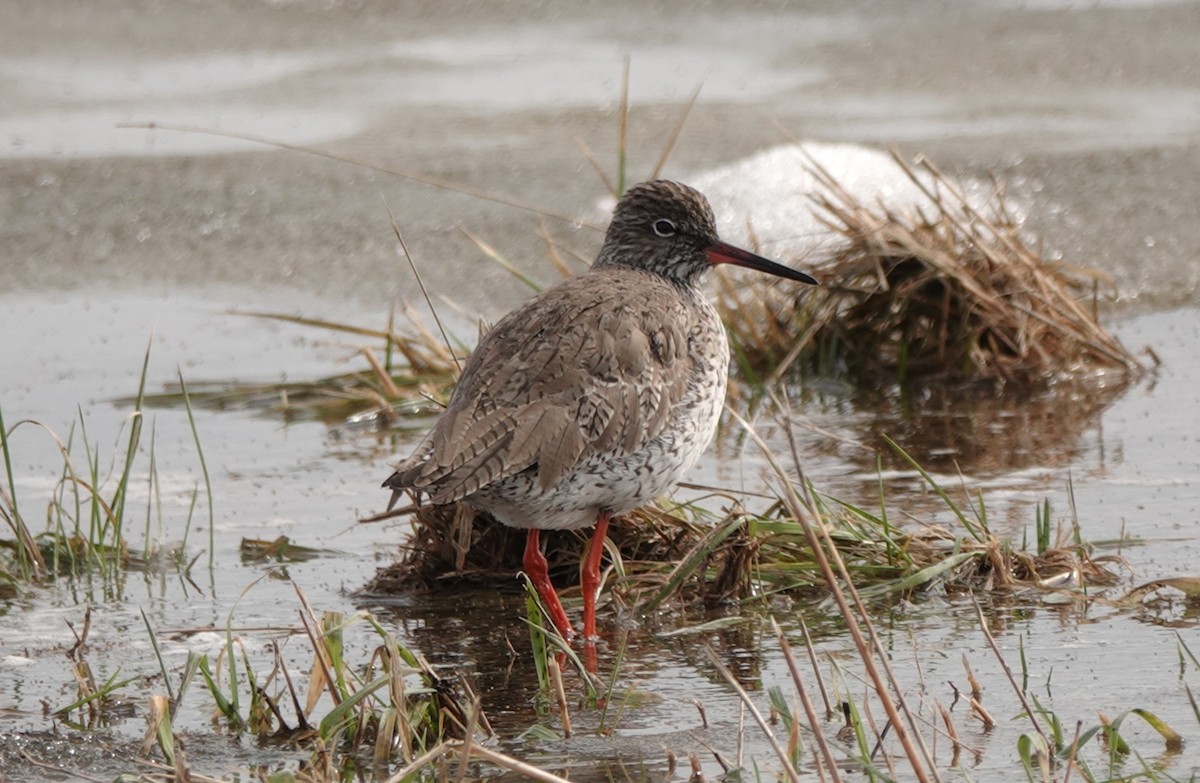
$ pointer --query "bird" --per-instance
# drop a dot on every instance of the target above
(596, 396)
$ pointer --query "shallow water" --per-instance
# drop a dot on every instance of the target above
(1133, 473)
(114, 239)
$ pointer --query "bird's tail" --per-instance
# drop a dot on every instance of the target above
(393, 483)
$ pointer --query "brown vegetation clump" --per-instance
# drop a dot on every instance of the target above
(949, 292)
(666, 559)
(452, 545)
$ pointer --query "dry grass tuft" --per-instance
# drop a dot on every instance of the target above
(949, 292)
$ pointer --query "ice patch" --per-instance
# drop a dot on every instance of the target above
(768, 198)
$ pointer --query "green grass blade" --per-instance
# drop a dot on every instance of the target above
(29, 561)
(162, 667)
(224, 705)
(967, 523)
(919, 578)
(187, 404)
(1192, 700)
(104, 691)
(612, 687)
(331, 723)
(135, 435)
(151, 474)
(190, 670)
(1034, 753)
(1172, 738)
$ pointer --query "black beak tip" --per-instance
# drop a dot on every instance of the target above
(724, 253)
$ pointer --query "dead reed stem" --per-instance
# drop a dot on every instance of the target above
(715, 661)
(801, 511)
(1008, 672)
(813, 719)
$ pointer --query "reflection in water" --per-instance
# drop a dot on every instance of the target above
(961, 433)
(1016, 447)
(664, 698)
(667, 698)
(991, 432)
(479, 635)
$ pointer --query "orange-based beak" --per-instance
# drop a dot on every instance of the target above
(723, 253)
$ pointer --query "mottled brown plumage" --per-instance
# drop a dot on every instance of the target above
(598, 394)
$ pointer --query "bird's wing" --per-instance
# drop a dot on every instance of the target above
(593, 366)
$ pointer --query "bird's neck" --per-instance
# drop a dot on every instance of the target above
(684, 275)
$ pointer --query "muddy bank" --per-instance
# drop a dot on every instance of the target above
(1092, 114)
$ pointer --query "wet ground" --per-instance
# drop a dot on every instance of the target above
(115, 238)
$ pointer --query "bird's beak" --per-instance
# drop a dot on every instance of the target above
(722, 253)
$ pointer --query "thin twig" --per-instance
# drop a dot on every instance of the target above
(412, 263)
(818, 542)
(424, 179)
(435, 753)
(814, 721)
(509, 763)
(623, 130)
(669, 147)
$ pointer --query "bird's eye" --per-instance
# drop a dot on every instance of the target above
(664, 228)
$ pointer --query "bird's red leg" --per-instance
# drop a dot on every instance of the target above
(590, 578)
(539, 573)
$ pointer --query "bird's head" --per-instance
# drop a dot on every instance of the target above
(668, 228)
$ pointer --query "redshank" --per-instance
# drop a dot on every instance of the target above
(597, 395)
